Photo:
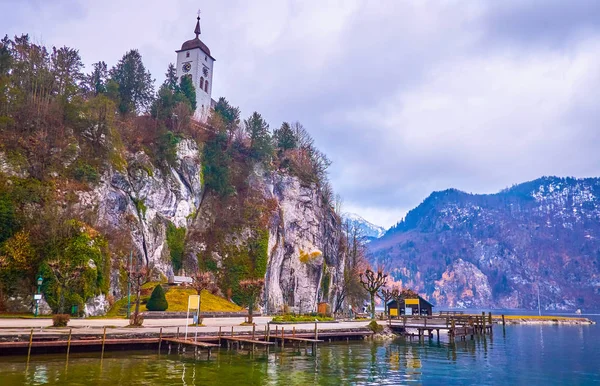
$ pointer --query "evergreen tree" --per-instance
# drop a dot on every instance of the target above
(157, 301)
(216, 165)
(285, 138)
(187, 89)
(136, 90)
(96, 81)
(66, 67)
(171, 77)
(229, 115)
(260, 138)
(162, 107)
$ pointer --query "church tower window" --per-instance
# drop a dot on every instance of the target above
(206, 86)
(201, 82)
(187, 54)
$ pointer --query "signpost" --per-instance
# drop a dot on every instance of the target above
(37, 297)
(193, 304)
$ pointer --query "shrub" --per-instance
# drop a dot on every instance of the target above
(86, 173)
(176, 243)
(60, 320)
(136, 320)
(158, 301)
(375, 327)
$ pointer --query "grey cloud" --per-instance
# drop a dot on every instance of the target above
(404, 97)
(542, 22)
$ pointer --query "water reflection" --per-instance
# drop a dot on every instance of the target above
(522, 355)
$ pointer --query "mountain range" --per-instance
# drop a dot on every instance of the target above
(501, 250)
(366, 229)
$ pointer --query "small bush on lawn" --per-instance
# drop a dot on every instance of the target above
(60, 320)
(375, 327)
(157, 301)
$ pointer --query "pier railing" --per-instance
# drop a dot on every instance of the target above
(457, 325)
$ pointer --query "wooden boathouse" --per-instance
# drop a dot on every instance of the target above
(410, 306)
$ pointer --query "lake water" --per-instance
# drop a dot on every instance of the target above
(523, 355)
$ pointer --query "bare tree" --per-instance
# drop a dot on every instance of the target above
(138, 276)
(202, 281)
(251, 290)
(372, 282)
(386, 295)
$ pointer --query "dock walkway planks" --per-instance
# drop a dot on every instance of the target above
(76, 342)
(190, 342)
(244, 340)
(297, 339)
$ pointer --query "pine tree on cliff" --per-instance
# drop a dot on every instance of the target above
(136, 90)
(186, 87)
(260, 138)
(158, 301)
(284, 137)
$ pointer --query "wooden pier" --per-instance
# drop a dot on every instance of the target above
(456, 325)
(29, 342)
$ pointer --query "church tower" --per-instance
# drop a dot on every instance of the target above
(194, 59)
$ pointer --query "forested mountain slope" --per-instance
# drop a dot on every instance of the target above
(495, 250)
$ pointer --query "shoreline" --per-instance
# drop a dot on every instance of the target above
(542, 320)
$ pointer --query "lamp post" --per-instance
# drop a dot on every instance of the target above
(38, 296)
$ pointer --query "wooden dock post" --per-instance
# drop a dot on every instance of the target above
(282, 339)
(103, 341)
(69, 343)
(294, 331)
(452, 330)
(484, 330)
(30, 344)
(219, 335)
(268, 332)
(253, 334)
(316, 332)
(503, 321)
(177, 333)
(159, 340)
(231, 330)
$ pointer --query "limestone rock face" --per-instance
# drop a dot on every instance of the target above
(304, 258)
(96, 306)
(304, 246)
(142, 200)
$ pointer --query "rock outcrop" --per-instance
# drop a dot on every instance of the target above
(304, 260)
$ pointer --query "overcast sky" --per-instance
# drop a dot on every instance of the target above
(406, 97)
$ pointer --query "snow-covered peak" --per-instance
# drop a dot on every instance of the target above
(366, 228)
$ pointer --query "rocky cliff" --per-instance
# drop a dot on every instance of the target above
(498, 250)
(302, 233)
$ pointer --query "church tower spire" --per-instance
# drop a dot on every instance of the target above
(197, 30)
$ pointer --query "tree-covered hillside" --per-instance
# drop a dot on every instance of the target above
(70, 139)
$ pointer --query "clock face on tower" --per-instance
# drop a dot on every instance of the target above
(187, 67)
(205, 71)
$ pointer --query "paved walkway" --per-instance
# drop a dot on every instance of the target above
(119, 326)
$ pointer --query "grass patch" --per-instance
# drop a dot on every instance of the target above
(177, 298)
(23, 316)
(302, 318)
